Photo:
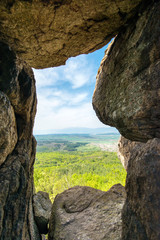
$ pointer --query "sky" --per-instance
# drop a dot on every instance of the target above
(65, 94)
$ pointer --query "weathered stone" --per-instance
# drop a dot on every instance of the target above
(17, 82)
(86, 213)
(42, 211)
(127, 94)
(47, 33)
(18, 107)
(141, 213)
(126, 149)
(8, 128)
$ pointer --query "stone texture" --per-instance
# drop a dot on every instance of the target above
(47, 33)
(8, 128)
(141, 213)
(126, 148)
(18, 108)
(42, 210)
(127, 93)
(86, 213)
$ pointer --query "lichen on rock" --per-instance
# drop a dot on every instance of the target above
(86, 213)
(46, 33)
(141, 216)
(127, 89)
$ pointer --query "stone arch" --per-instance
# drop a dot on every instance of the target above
(45, 33)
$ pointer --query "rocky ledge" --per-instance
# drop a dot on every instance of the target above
(86, 213)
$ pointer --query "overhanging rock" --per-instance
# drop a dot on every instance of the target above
(127, 93)
(47, 33)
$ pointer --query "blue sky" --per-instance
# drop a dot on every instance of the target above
(65, 94)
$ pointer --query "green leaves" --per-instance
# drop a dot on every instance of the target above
(58, 171)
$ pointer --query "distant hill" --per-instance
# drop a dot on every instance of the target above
(106, 130)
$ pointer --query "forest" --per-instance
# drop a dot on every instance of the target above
(63, 162)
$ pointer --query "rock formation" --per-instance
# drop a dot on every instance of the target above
(141, 219)
(8, 128)
(17, 147)
(86, 213)
(126, 148)
(38, 33)
(127, 97)
(42, 211)
(47, 33)
(127, 89)
(141, 215)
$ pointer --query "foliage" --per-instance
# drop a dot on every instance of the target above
(57, 171)
(73, 142)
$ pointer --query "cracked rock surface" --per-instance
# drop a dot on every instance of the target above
(17, 147)
(47, 33)
(141, 215)
(127, 93)
(85, 213)
(8, 128)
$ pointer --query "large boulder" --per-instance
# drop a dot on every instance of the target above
(17, 147)
(126, 149)
(127, 93)
(42, 210)
(141, 213)
(47, 33)
(86, 213)
(18, 83)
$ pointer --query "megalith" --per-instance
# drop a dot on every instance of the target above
(127, 97)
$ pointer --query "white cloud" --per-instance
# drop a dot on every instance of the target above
(52, 102)
(56, 98)
(46, 77)
(82, 116)
(63, 96)
(79, 98)
(78, 71)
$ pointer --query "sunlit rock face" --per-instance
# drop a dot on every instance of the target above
(127, 93)
(17, 147)
(126, 148)
(127, 96)
(47, 33)
(86, 213)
